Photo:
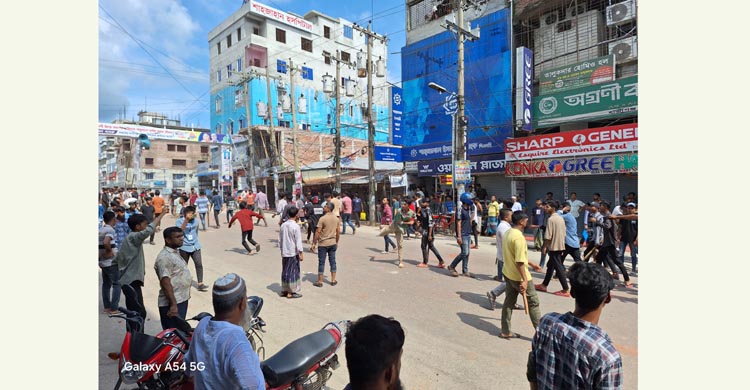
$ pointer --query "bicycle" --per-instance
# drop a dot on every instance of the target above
(445, 223)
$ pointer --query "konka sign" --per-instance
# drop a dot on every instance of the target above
(601, 140)
(589, 165)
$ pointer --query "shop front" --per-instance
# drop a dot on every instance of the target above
(487, 170)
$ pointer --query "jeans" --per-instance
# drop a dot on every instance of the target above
(492, 225)
(322, 252)
(203, 220)
(356, 216)
(216, 216)
(230, 214)
(544, 255)
(198, 262)
(633, 254)
(111, 281)
(347, 219)
(427, 246)
(512, 291)
(500, 264)
(575, 253)
(248, 236)
(609, 254)
(387, 241)
(168, 322)
(464, 255)
(555, 265)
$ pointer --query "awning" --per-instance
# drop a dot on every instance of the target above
(207, 173)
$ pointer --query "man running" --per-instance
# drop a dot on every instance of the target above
(245, 216)
(191, 247)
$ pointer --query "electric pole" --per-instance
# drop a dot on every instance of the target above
(251, 148)
(294, 124)
(337, 137)
(370, 127)
(277, 164)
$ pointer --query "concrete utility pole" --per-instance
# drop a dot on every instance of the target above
(370, 127)
(275, 153)
(337, 138)
(251, 147)
(294, 123)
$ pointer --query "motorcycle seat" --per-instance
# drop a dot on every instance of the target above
(296, 358)
(143, 347)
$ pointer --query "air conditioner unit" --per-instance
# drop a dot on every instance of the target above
(574, 11)
(620, 13)
(548, 20)
(624, 50)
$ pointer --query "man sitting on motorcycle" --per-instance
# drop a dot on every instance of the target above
(374, 345)
(220, 356)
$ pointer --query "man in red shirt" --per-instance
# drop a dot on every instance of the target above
(250, 200)
(245, 216)
(193, 196)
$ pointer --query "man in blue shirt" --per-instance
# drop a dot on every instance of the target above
(201, 206)
(220, 356)
(356, 208)
(190, 246)
(217, 204)
(463, 235)
(572, 243)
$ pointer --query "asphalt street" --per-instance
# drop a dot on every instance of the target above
(451, 334)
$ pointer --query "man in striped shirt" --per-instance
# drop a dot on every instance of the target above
(570, 351)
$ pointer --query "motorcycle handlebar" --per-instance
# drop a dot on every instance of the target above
(129, 313)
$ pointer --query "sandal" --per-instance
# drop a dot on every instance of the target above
(334, 283)
(400, 265)
(510, 336)
(294, 295)
(318, 284)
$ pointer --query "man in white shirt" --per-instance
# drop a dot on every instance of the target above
(502, 228)
(516, 204)
(575, 205)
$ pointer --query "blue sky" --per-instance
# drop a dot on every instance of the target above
(153, 54)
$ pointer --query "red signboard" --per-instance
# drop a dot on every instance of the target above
(601, 140)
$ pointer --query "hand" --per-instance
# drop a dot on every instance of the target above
(172, 311)
(537, 268)
(301, 257)
(458, 240)
(313, 248)
(635, 242)
(429, 238)
(522, 287)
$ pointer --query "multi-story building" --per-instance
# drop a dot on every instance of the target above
(256, 37)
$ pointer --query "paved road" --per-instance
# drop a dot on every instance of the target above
(451, 335)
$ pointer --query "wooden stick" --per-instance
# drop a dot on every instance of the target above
(525, 303)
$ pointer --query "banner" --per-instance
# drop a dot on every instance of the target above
(475, 147)
(482, 164)
(397, 112)
(463, 171)
(590, 165)
(577, 75)
(607, 100)
(524, 82)
(610, 139)
(280, 16)
(226, 166)
(398, 181)
(387, 153)
(155, 133)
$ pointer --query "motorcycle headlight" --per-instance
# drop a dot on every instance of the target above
(131, 373)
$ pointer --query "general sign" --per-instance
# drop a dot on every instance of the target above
(601, 140)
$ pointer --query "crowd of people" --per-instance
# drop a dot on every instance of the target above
(128, 219)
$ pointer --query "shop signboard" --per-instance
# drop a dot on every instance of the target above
(474, 147)
(155, 133)
(480, 164)
(606, 100)
(574, 166)
(463, 171)
(577, 75)
(397, 115)
(600, 140)
(387, 153)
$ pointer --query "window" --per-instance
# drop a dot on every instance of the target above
(178, 176)
(182, 148)
(148, 176)
(348, 32)
(242, 123)
(280, 35)
(171, 148)
(149, 161)
(238, 97)
(256, 56)
(239, 65)
(179, 163)
(326, 31)
(126, 144)
(256, 30)
(239, 33)
(327, 57)
(229, 70)
(306, 45)
(229, 40)
(218, 47)
(218, 75)
(218, 128)
(204, 149)
(201, 161)
(345, 56)
(230, 127)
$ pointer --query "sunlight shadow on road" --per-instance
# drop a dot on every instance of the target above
(482, 324)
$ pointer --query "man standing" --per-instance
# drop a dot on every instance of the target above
(374, 345)
(280, 205)
(326, 241)
(463, 236)
(493, 209)
(336, 204)
(158, 203)
(313, 211)
(571, 351)
(346, 213)
(426, 224)
(586, 215)
(217, 204)
(201, 206)
(517, 276)
(607, 251)
(575, 206)
(245, 216)
(149, 210)
(190, 245)
(290, 242)
(628, 233)
(572, 243)
(231, 206)
(220, 356)
(121, 227)
(131, 263)
(250, 200)
(505, 220)
(554, 243)
(516, 204)
(193, 197)
(402, 220)
(174, 278)
(107, 253)
(481, 193)
(356, 208)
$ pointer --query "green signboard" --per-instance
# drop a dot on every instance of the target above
(578, 75)
(600, 101)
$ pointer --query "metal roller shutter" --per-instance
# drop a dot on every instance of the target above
(538, 188)
(585, 186)
(496, 184)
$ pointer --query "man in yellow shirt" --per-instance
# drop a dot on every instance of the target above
(517, 275)
(493, 208)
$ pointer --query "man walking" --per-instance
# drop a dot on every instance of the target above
(463, 236)
(201, 206)
(607, 251)
(402, 220)
(628, 233)
(110, 275)
(554, 243)
(493, 209)
(326, 241)
(426, 224)
(261, 203)
(572, 243)
(504, 226)
(245, 216)
(231, 206)
(356, 208)
(174, 278)
(517, 276)
(217, 203)
(190, 245)
(571, 351)
(314, 211)
(346, 213)
(385, 221)
(290, 242)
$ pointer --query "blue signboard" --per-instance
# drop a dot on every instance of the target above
(160, 183)
(475, 147)
(481, 164)
(397, 112)
(388, 153)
